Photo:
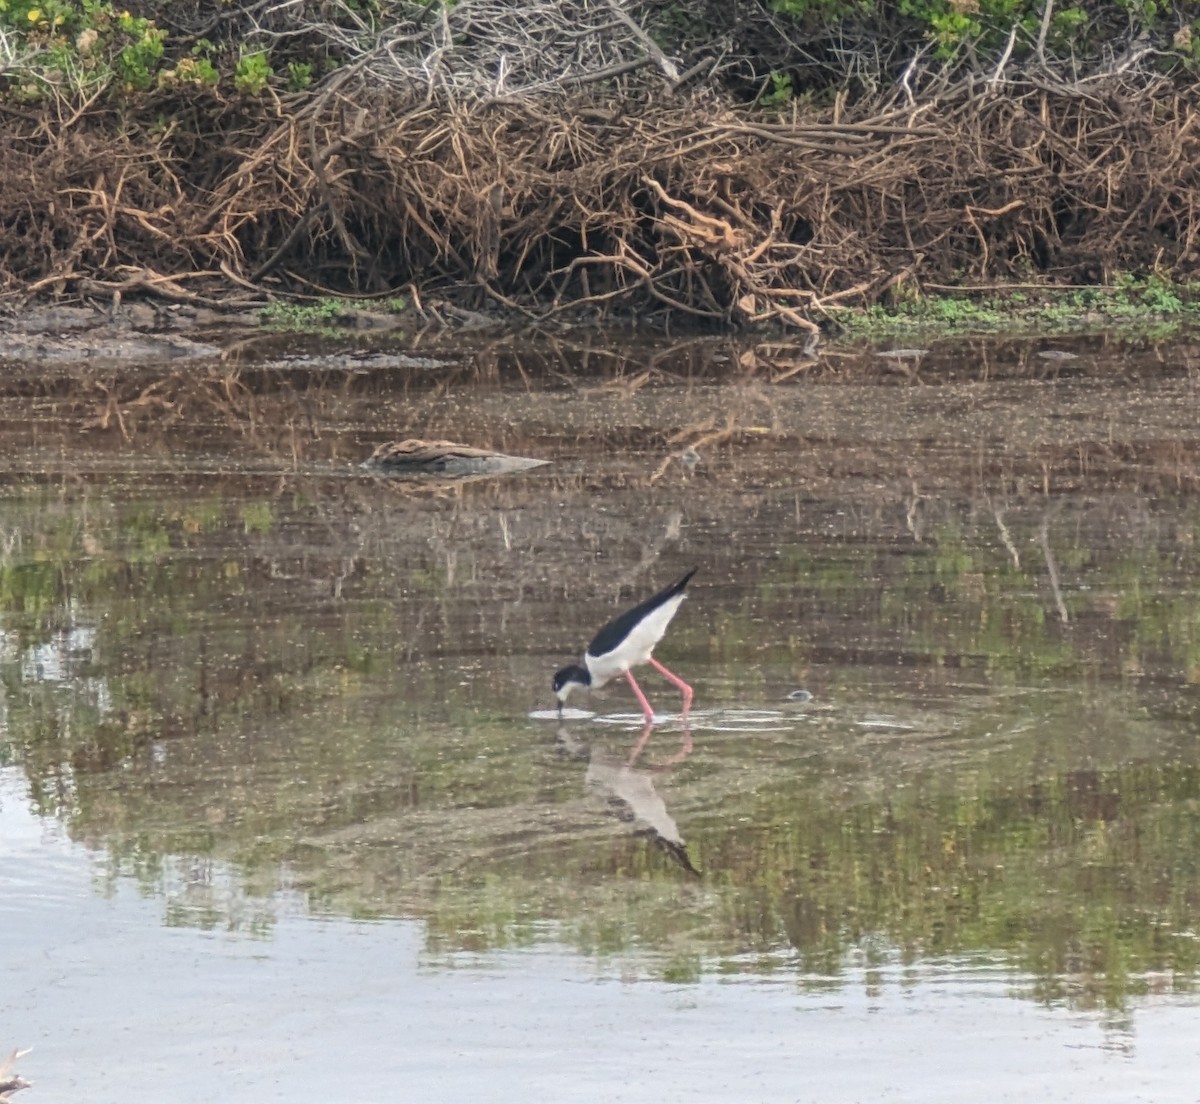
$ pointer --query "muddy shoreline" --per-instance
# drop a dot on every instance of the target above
(1026, 415)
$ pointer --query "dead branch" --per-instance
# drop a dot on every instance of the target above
(690, 208)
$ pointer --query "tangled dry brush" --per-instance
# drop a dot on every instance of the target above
(549, 155)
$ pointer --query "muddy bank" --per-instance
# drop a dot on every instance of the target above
(1026, 416)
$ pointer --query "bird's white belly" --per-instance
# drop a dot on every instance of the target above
(605, 668)
(636, 648)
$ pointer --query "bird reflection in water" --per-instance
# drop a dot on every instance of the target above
(629, 791)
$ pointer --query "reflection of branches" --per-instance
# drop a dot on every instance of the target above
(653, 546)
(1052, 569)
(693, 438)
(1005, 536)
(912, 512)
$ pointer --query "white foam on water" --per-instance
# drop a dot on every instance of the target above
(745, 728)
(632, 720)
(707, 720)
(885, 722)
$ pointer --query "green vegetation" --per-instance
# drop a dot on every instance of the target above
(328, 316)
(780, 93)
(1132, 301)
(75, 48)
(80, 49)
(252, 73)
(984, 28)
(300, 76)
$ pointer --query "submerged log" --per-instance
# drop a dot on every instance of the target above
(444, 458)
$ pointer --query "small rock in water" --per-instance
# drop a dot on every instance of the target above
(799, 696)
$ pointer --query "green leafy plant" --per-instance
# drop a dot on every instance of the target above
(1154, 293)
(1067, 21)
(252, 73)
(321, 317)
(824, 11)
(78, 48)
(197, 68)
(1145, 304)
(299, 76)
(327, 316)
(37, 17)
(780, 93)
(195, 71)
(137, 61)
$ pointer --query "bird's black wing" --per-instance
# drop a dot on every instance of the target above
(619, 628)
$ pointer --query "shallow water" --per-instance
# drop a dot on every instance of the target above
(282, 791)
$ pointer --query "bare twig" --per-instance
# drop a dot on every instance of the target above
(1043, 30)
(651, 47)
(998, 72)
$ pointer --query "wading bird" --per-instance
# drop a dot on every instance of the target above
(627, 642)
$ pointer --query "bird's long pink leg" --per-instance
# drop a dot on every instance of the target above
(637, 748)
(670, 676)
(685, 748)
(646, 710)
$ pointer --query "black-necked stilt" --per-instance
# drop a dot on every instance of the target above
(625, 643)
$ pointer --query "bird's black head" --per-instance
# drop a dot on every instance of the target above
(567, 679)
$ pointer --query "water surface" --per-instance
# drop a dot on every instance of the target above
(273, 802)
